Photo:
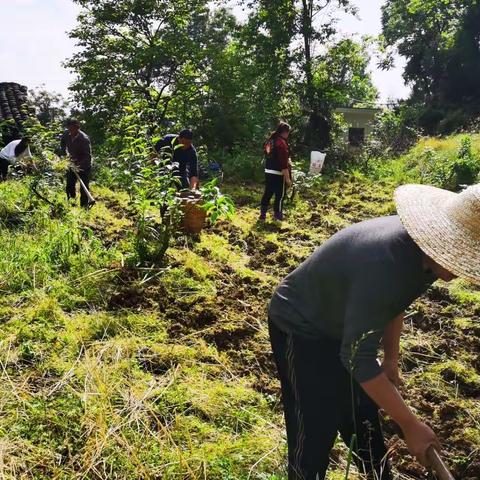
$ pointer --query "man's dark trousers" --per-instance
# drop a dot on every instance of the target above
(4, 164)
(318, 402)
(71, 182)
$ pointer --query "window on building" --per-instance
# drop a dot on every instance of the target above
(356, 136)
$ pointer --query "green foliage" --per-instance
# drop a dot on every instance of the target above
(467, 165)
(243, 164)
(339, 153)
(192, 64)
(304, 182)
(153, 188)
(449, 163)
(447, 39)
(435, 169)
(215, 203)
(39, 251)
(45, 169)
(50, 107)
(130, 52)
(149, 181)
(450, 169)
(393, 133)
(157, 210)
(341, 78)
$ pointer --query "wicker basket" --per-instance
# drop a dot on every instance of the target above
(193, 214)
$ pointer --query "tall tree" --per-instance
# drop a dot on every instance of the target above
(49, 106)
(267, 38)
(313, 31)
(289, 36)
(134, 50)
(440, 40)
(341, 77)
(316, 25)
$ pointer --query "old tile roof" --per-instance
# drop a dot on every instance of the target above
(13, 102)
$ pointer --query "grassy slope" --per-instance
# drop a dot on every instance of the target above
(110, 371)
(412, 166)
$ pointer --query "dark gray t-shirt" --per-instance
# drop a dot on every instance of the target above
(350, 288)
(79, 149)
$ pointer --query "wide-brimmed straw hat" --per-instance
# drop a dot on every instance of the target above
(445, 225)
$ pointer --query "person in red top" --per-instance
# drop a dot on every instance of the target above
(277, 171)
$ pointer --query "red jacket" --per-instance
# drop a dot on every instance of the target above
(277, 153)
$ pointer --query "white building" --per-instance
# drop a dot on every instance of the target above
(359, 121)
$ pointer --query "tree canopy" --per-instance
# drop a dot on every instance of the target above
(192, 63)
(441, 42)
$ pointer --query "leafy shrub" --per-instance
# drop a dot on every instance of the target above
(242, 164)
(441, 165)
(150, 180)
(435, 169)
(393, 133)
(45, 169)
(215, 203)
(467, 165)
(304, 182)
(339, 154)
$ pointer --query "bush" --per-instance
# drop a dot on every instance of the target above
(339, 153)
(393, 133)
(150, 180)
(435, 169)
(440, 164)
(450, 163)
(241, 164)
(467, 165)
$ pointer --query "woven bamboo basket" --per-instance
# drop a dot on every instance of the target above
(194, 215)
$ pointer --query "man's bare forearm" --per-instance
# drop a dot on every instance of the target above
(193, 183)
(418, 436)
(386, 396)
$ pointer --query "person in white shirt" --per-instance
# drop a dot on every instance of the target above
(11, 154)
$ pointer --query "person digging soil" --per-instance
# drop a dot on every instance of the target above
(76, 143)
(329, 317)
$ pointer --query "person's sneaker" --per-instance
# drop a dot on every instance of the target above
(278, 216)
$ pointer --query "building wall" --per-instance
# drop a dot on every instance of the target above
(359, 119)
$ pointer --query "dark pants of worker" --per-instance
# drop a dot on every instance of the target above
(4, 164)
(274, 185)
(71, 182)
(318, 402)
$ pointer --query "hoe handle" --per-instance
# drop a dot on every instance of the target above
(91, 200)
(438, 465)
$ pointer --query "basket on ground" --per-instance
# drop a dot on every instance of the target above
(193, 214)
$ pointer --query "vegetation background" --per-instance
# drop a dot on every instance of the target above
(126, 356)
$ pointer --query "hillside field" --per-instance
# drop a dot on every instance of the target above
(111, 370)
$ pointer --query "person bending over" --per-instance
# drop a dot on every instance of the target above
(329, 317)
(183, 156)
(11, 154)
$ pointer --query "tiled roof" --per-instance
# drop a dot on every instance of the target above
(13, 99)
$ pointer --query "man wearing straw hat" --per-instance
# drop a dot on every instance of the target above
(328, 318)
